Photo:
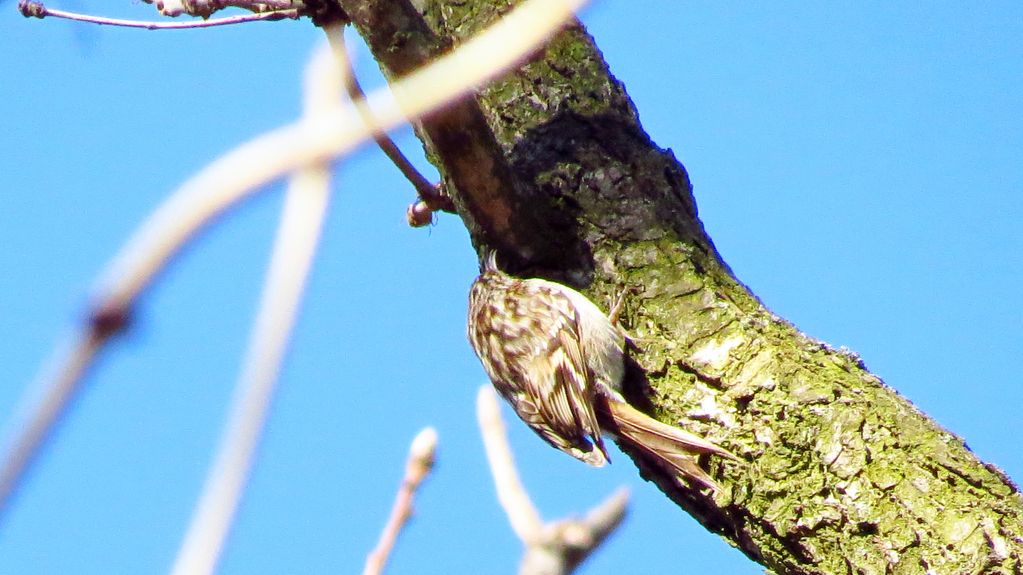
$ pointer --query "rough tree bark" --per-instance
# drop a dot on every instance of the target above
(840, 473)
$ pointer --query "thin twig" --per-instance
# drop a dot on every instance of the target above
(386, 144)
(241, 172)
(56, 386)
(38, 10)
(301, 221)
(602, 520)
(555, 548)
(430, 195)
(565, 544)
(522, 514)
(420, 461)
(204, 8)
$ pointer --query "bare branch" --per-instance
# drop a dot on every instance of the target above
(421, 457)
(555, 548)
(30, 9)
(204, 8)
(564, 545)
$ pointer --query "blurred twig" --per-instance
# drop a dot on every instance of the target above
(420, 461)
(297, 237)
(522, 514)
(56, 387)
(555, 548)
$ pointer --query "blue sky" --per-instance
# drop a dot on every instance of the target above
(859, 165)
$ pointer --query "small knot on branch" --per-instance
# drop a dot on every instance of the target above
(32, 9)
(432, 199)
(106, 321)
(419, 215)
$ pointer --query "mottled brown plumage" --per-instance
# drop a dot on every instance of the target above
(559, 361)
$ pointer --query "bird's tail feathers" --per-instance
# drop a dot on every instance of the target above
(675, 448)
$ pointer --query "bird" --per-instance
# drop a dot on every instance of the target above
(559, 361)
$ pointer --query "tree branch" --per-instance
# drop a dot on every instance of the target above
(843, 474)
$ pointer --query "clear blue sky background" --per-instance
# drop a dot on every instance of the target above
(859, 165)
